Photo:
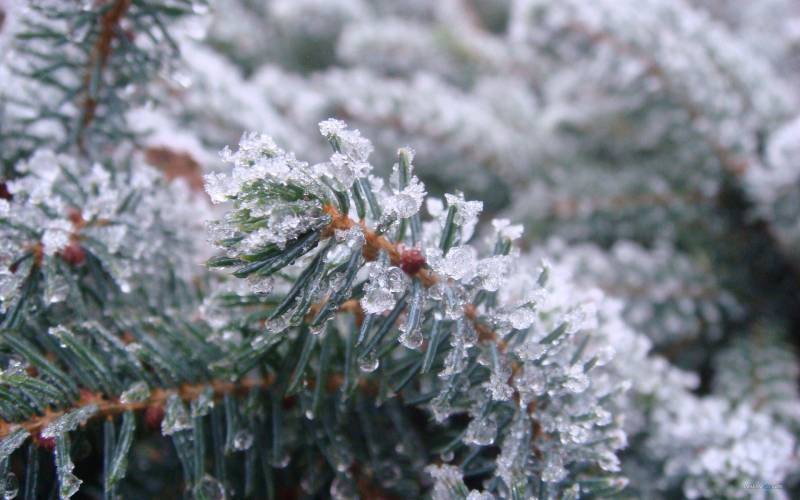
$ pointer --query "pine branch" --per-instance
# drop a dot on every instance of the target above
(285, 212)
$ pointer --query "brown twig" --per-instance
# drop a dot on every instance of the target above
(109, 22)
(158, 397)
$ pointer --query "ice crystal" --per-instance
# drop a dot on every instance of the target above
(481, 431)
(69, 421)
(459, 263)
(386, 284)
(135, 393)
(176, 418)
(466, 211)
(203, 403)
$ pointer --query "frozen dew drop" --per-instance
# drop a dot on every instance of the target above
(12, 486)
(210, 488)
(337, 255)
(459, 262)
(376, 299)
(369, 362)
(281, 461)
(412, 339)
(243, 440)
(447, 456)
(342, 488)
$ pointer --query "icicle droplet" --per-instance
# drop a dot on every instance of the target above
(12, 486)
(136, 393)
(176, 418)
(412, 339)
(369, 362)
(309, 414)
(70, 484)
(210, 488)
(243, 440)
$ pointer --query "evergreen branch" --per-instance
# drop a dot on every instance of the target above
(283, 210)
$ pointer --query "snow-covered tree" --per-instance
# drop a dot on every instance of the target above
(376, 249)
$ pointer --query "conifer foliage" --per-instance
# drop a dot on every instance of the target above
(475, 249)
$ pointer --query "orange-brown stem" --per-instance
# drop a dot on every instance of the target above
(109, 24)
(158, 397)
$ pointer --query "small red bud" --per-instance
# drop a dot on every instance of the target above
(74, 254)
(47, 443)
(74, 215)
(411, 260)
(153, 416)
(5, 194)
(289, 402)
